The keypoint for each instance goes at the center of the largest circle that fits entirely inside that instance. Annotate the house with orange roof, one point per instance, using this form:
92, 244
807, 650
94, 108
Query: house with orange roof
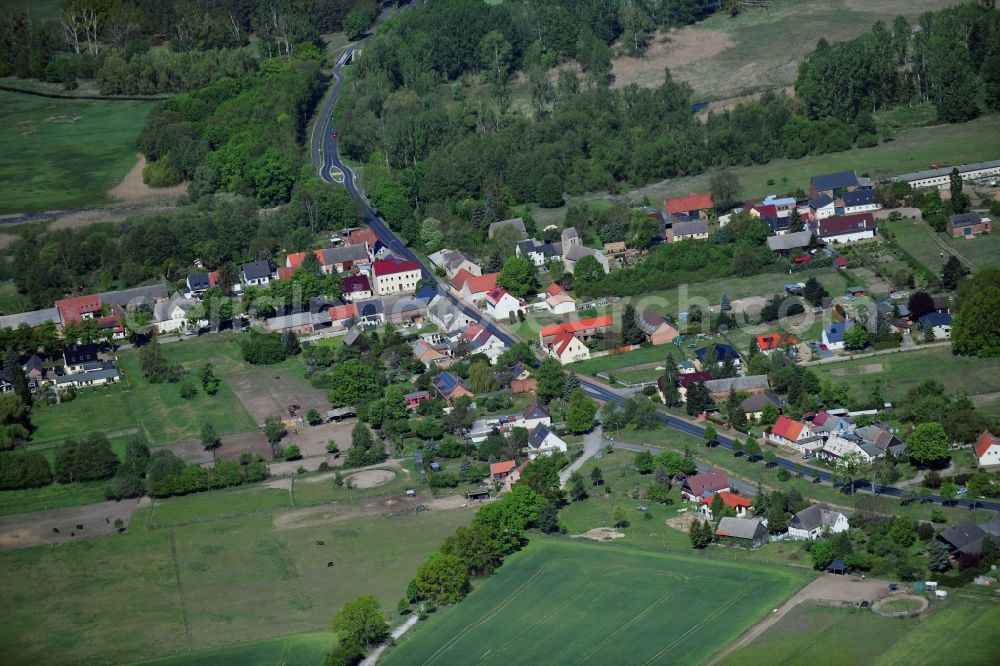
736, 502
584, 329
295, 259
689, 208
987, 448
771, 341
364, 237
567, 348
473, 288
343, 313
76, 309
789, 432
558, 300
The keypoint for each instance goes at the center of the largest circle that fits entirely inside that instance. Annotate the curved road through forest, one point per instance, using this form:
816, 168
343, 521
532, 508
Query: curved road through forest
326, 158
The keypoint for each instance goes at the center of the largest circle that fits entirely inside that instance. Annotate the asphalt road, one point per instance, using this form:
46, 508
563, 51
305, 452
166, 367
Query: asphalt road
323, 147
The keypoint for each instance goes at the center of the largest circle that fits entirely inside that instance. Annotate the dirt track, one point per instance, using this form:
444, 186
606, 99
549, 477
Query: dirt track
828, 588
132, 188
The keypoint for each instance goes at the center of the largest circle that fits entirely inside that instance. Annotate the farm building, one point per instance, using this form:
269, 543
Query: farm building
812, 522
742, 532
967, 225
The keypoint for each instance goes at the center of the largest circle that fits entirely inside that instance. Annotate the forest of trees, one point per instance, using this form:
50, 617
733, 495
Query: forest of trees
119, 42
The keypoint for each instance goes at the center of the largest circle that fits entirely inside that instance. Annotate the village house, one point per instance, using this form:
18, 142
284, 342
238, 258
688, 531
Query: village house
95, 373
198, 284
844, 228
697, 487
446, 315
964, 538
833, 335
453, 261
837, 447
543, 442
738, 503
379, 251
783, 206
822, 207
833, 185
257, 274
788, 432
501, 304
693, 230
815, 521
371, 312
825, 423
722, 352
770, 342
987, 448
474, 288
860, 201
481, 341
657, 328
432, 354
753, 406
450, 386
517, 223
410, 310
518, 380
791, 242
300, 323
172, 316
685, 380
968, 225
343, 314
76, 309
577, 252
938, 324
539, 253
77, 357
365, 237
356, 288
689, 207
558, 300
742, 532
395, 276
583, 329
720, 388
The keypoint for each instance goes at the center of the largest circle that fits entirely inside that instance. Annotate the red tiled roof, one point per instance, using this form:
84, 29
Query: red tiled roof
708, 482
362, 236
460, 277
985, 440
341, 312
845, 224
554, 289
788, 428
578, 325
502, 467
285, 273
295, 259
690, 202
496, 295
729, 499
689, 378
355, 283
770, 341
480, 283
840, 262
391, 266
72, 309
213, 278
562, 341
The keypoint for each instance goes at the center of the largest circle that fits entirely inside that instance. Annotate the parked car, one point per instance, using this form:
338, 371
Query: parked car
807, 456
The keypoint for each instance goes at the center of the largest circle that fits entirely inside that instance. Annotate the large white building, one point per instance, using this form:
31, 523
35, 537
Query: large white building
395, 276
941, 178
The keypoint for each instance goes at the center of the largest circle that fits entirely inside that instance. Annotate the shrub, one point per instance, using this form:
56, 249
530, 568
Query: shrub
263, 348
293, 452
28, 469
160, 174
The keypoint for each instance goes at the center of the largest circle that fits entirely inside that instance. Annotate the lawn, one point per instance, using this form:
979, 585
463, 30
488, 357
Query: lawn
61, 153
213, 584
98, 409
55, 496
917, 238
981, 251
956, 630
912, 150
904, 370
10, 300
164, 416
307, 648
221, 504
559, 601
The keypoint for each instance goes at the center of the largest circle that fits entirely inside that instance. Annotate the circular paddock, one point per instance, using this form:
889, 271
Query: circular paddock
370, 478
900, 605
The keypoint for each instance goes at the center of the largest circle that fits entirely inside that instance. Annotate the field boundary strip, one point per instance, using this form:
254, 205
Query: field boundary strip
180, 590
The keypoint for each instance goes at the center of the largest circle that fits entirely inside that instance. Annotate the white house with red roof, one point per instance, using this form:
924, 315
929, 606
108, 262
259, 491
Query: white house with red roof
987, 449
558, 301
481, 341
567, 348
395, 276
689, 207
500, 304
789, 432
707, 484
844, 228
736, 502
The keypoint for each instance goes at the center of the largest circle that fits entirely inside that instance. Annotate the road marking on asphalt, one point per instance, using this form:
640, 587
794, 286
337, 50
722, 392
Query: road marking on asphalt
336, 174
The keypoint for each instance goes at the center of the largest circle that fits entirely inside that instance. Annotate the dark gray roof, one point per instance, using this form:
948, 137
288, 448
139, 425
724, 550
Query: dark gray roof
814, 517
740, 528
126, 296
966, 537
861, 197
339, 255
832, 181
946, 171
371, 307
758, 401
198, 281
964, 219
693, 228
745, 383
106, 371
255, 270
537, 436
516, 222
534, 411
820, 201
76, 354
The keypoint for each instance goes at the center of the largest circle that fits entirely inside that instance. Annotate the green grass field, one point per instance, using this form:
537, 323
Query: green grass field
98, 409
567, 602
307, 648
55, 496
905, 370
213, 584
218, 505
57, 153
164, 416
10, 300
921, 241
956, 630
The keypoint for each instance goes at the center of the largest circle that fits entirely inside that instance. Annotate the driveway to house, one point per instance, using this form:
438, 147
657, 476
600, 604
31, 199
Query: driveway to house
593, 442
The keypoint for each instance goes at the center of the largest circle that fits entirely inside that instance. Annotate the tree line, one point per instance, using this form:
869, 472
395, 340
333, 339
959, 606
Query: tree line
115, 41
949, 59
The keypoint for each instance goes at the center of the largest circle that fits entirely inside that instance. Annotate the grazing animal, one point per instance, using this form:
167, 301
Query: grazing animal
56, 530
321, 543
79, 527
329, 564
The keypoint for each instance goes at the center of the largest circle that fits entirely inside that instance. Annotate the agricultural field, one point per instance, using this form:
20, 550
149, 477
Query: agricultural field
817, 634
236, 578
927, 246
63, 153
307, 648
97, 409
562, 601
904, 370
